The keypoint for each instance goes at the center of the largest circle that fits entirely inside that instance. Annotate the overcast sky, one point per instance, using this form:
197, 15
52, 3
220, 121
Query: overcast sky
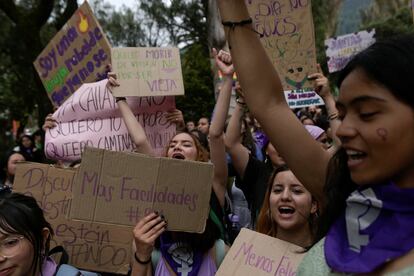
119, 3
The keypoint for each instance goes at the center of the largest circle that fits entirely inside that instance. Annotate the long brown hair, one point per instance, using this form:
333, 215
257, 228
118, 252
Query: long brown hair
202, 153
201, 242
265, 223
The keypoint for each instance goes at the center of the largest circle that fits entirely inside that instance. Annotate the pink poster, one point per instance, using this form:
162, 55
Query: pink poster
90, 117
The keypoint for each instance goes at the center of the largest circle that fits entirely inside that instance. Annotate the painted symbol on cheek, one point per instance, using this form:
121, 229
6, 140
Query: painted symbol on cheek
383, 133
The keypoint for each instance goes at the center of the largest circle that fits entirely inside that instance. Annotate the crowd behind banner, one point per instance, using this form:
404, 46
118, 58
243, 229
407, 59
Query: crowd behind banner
292, 181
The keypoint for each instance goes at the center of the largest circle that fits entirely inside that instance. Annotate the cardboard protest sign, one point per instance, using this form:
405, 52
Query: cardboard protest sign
257, 254
301, 98
90, 117
78, 53
121, 188
341, 49
90, 246
147, 71
287, 34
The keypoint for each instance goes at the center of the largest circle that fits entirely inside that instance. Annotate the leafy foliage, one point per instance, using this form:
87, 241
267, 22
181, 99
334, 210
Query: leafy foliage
28, 25
185, 22
399, 23
26, 28
199, 98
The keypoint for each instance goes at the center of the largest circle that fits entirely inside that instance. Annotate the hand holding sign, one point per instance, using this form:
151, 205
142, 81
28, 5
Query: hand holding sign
321, 83
112, 82
49, 123
147, 230
176, 117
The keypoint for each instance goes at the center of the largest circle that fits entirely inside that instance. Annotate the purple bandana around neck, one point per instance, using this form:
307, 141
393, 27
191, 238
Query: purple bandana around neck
377, 226
181, 258
49, 267
261, 138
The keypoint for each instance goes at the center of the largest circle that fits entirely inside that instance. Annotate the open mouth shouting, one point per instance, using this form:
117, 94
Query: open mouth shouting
286, 211
178, 155
355, 157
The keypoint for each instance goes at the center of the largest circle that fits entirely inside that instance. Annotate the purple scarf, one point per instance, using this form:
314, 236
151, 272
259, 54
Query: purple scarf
377, 226
261, 138
182, 259
49, 267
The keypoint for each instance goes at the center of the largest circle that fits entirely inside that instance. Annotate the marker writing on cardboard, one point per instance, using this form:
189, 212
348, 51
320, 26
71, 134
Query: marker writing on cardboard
76, 78
162, 85
251, 259
134, 213
90, 244
38, 178
265, 263
152, 119
91, 125
150, 195
101, 255
91, 186
84, 232
66, 150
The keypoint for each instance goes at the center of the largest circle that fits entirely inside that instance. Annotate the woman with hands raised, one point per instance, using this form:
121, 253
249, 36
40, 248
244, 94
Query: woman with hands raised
173, 253
369, 180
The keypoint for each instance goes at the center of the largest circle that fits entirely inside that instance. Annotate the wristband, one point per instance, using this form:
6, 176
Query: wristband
141, 262
233, 24
240, 102
333, 116
117, 99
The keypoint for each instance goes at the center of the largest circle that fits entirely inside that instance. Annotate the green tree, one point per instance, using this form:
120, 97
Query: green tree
27, 26
325, 14
389, 19
128, 27
383, 9
186, 24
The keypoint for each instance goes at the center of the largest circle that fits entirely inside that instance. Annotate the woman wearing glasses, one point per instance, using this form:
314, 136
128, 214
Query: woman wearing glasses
24, 237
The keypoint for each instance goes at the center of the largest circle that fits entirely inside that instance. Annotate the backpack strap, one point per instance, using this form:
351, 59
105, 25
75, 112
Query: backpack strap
220, 251
63, 269
64, 258
68, 270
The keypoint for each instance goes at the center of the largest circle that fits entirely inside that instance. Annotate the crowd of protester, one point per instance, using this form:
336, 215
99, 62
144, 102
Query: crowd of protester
307, 176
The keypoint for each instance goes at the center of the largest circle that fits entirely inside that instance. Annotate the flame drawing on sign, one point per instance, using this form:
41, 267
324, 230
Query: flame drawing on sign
83, 23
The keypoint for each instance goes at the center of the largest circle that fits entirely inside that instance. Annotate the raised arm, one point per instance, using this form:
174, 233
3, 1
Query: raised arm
216, 136
322, 88
265, 97
239, 153
135, 129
